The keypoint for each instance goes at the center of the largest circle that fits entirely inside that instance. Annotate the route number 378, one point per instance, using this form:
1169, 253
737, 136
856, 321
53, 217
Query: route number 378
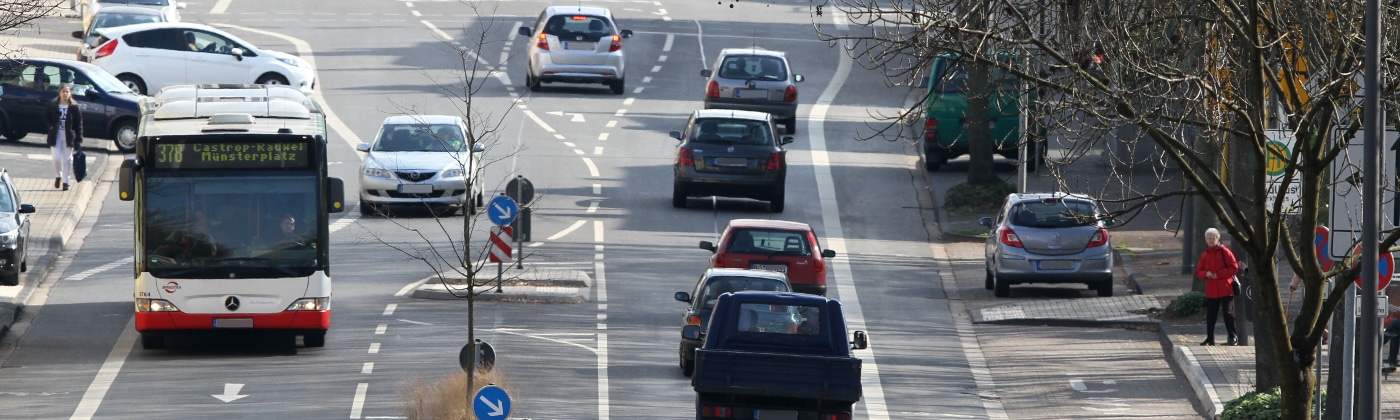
170, 153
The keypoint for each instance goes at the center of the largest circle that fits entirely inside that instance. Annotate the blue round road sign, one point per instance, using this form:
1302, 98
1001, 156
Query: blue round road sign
491, 403
502, 210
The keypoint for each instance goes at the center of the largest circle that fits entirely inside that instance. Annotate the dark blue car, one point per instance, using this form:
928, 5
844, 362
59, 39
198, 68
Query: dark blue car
27, 85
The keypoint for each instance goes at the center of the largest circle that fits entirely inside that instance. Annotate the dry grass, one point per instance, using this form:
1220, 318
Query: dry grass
447, 398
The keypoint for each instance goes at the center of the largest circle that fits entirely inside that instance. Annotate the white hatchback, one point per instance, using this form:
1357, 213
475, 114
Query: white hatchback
576, 44
150, 56
421, 161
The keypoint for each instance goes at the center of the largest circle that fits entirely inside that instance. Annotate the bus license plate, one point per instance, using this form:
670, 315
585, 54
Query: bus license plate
415, 189
233, 323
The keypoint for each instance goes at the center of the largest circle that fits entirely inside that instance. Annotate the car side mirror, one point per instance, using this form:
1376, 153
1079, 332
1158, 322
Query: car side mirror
78, 34
526, 30
26, 208
798, 78
626, 33
676, 135
707, 245
985, 222
827, 253
691, 332
363, 147
92, 94
860, 342
683, 297
478, 148
238, 52
705, 72
786, 140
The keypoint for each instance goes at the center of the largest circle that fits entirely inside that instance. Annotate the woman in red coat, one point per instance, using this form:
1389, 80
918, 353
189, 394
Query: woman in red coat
1217, 267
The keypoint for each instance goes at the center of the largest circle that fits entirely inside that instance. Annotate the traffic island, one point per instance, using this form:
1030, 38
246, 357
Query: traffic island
528, 285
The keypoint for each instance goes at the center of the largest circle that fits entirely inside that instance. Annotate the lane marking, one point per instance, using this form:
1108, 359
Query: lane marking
389, 310
107, 374
592, 169
601, 351
670, 38
373, 348
592, 207
598, 150
368, 368
220, 7
379, 330
358, 404
93, 271
567, 230
602, 136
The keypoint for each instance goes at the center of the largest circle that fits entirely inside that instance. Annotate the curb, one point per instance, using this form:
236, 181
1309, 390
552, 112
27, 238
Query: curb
530, 285
1200, 383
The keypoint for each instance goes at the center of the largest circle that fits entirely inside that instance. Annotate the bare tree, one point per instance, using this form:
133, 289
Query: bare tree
16, 15
1190, 93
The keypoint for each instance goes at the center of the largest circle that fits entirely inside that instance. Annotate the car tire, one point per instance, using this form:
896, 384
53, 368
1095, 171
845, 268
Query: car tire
790, 125
10, 135
679, 196
991, 281
9, 279
272, 79
1105, 288
124, 135
316, 339
366, 209
133, 82
777, 200
687, 367
152, 342
618, 86
531, 82
1002, 289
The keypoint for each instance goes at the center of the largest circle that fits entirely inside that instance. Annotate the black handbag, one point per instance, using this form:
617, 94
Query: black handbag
79, 165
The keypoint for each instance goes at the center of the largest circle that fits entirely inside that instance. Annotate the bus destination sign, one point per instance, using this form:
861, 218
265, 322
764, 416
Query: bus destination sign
252, 155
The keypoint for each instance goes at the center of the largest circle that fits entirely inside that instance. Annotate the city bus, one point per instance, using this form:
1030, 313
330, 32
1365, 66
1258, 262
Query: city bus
232, 204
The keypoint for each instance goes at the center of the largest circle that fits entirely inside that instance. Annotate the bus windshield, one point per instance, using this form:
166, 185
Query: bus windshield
213, 225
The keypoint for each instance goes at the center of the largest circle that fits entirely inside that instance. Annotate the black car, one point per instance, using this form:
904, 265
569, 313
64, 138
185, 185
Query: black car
730, 153
715, 282
14, 232
28, 85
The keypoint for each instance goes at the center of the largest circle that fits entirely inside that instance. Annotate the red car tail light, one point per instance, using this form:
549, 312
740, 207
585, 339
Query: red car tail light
1009, 238
715, 411
616, 43
775, 162
834, 416
790, 95
686, 157
1100, 237
543, 42
819, 267
719, 260
712, 90
106, 49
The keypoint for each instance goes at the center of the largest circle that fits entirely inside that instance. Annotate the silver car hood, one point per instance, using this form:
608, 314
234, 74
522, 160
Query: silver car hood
422, 161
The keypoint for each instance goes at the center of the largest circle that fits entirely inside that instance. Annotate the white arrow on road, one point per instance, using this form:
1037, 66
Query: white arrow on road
577, 117
230, 393
496, 409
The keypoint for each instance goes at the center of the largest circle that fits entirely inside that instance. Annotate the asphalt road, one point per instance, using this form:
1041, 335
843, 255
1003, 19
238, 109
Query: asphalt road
600, 164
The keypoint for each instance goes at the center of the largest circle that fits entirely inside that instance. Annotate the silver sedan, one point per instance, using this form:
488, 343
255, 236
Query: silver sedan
421, 160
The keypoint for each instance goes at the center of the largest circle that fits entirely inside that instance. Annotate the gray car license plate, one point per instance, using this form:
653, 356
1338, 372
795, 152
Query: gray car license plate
576, 45
1056, 265
770, 267
750, 93
415, 188
732, 162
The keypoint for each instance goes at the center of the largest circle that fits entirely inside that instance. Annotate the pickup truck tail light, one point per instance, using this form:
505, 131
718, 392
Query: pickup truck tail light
1009, 238
717, 412
1100, 237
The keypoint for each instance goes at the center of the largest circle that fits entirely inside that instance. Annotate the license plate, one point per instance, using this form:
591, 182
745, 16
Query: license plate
729, 161
415, 188
775, 414
233, 323
770, 267
577, 45
750, 93
1057, 265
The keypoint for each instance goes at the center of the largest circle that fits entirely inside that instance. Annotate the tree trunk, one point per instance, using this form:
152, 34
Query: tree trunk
980, 169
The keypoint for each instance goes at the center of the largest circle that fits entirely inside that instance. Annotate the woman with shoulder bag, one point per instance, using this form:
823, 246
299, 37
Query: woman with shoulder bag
1218, 267
65, 119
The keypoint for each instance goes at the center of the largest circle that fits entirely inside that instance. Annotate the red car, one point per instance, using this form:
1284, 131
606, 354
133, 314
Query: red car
776, 245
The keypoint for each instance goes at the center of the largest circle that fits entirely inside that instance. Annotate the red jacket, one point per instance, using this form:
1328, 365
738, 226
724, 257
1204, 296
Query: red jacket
1220, 260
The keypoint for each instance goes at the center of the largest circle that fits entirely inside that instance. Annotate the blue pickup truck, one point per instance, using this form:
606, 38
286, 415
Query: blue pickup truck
776, 355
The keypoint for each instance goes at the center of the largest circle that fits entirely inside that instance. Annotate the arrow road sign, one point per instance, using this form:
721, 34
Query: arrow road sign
502, 210
230, 393
491, 403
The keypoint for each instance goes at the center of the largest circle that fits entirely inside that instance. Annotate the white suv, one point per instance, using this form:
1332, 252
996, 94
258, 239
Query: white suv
576, 44
151, 56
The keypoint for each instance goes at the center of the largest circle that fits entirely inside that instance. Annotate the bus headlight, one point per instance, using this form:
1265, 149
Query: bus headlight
310, 304
155, 305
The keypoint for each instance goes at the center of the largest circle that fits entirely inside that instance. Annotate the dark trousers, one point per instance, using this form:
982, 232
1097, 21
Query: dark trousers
1392, 335
1213, 306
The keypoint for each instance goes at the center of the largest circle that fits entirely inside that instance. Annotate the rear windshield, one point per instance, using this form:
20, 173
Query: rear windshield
591, 28
728, 284
774, 242
803, 320
753, 67
951, 77
112, 20
1053, 214
732, 131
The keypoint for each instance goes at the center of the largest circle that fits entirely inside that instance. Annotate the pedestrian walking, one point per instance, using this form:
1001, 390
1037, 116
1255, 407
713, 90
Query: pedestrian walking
65, 119
1217, 267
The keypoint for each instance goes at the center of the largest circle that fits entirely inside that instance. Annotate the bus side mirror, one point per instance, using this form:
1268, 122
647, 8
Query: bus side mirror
126, 176
335, 193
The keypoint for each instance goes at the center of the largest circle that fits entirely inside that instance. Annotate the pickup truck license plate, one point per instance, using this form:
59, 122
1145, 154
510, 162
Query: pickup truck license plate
770, 267
415, 188
775, 414
233, 323
1056, 265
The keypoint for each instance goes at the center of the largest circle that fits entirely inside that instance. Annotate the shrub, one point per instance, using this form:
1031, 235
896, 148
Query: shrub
1187, 304
446, 398
968, 198
1257, 406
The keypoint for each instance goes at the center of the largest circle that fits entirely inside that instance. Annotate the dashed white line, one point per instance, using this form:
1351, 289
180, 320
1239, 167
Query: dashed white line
629, 101
374, 348
598, 150
379, 330
638, 89
592, 207
597, 189
655, 69
389, 310
358, 404
220, 7
670, 38
662, 58
646, 79
620, 112
570, 144
603, 137
612, 123
578, 152
95, 270
368, 368
592, 169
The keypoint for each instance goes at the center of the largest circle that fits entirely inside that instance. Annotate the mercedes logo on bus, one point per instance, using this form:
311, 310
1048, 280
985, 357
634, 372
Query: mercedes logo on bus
231, 303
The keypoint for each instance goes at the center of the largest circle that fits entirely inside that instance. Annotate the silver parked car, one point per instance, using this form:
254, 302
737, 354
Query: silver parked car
754, 79
576, 44
421, 160
1049, 238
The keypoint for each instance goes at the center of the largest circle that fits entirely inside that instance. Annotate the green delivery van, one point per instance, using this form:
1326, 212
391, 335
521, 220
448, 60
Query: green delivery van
945, 113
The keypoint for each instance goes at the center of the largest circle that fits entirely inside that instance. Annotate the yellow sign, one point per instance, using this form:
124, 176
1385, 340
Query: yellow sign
1276, 158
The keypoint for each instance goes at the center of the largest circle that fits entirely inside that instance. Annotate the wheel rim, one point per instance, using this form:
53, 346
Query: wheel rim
131, 84
126, 137
273, 82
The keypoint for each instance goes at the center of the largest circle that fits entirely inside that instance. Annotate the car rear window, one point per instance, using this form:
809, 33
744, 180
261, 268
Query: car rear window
1053, 214
774, 242
592, 28
727, 284
780, 319
952, 78
753, 67
732, 131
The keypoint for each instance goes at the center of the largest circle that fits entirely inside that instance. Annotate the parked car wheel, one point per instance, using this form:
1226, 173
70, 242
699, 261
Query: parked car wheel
10, 135
1002, 289
678, 196
531, 82
1105, 288
124, 134
932, 161
366, 209
687, 367
133, 82
618, 86
991, 281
